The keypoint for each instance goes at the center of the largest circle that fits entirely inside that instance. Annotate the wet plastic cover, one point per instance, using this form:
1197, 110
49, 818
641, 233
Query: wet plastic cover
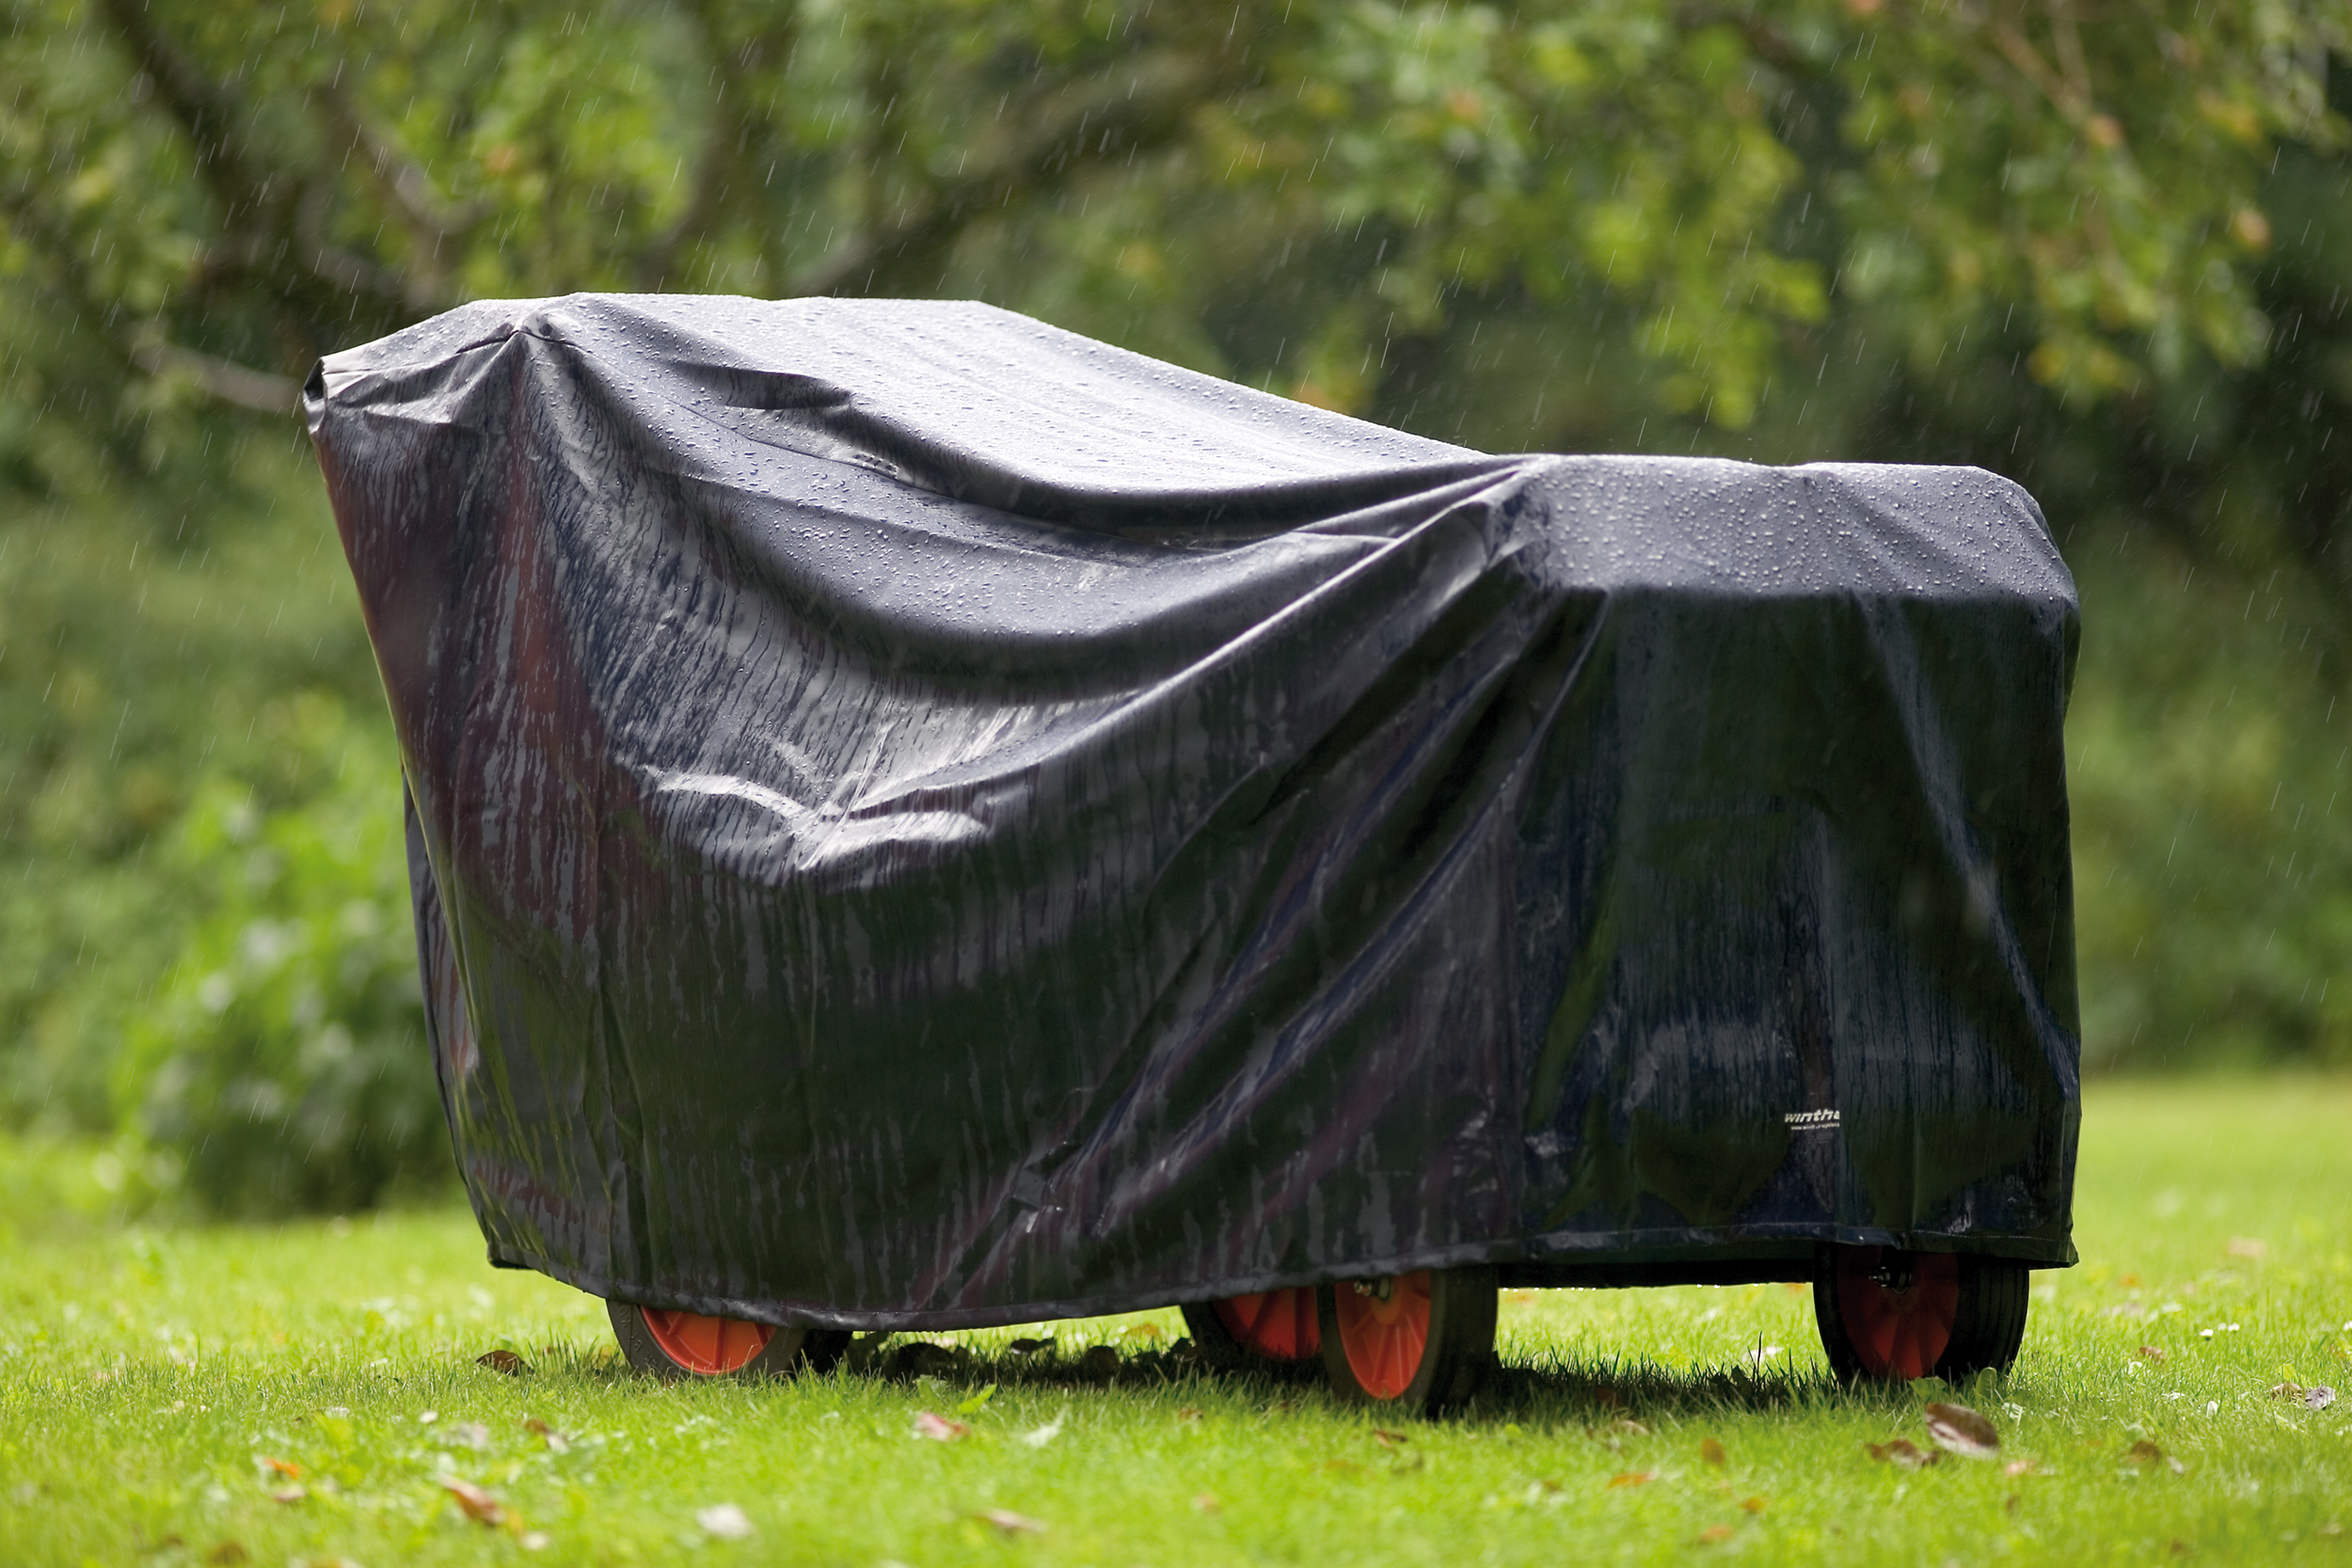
920, 818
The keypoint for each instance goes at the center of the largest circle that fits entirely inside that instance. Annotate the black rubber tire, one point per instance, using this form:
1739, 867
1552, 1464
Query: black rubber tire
1996, 1294
1455, 1357
1220, 1352
788, 1352
1988, 1321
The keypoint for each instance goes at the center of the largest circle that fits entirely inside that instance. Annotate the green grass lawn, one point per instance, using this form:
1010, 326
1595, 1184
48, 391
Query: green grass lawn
162, 1389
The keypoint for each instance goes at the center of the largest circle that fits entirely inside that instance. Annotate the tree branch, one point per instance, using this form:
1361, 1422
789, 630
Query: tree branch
734, 123
431, 221
224, 379
1141, 106
196, 103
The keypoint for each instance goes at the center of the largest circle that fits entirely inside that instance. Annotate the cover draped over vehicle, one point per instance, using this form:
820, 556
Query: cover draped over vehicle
921, 819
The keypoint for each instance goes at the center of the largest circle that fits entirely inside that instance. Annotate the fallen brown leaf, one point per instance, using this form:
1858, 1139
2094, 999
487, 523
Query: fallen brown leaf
228, 1554
286, 1467
1716, 1535
1752, 1505
555, 1440
1711, 1452
2151, 1353
1388, 1439
939, 1429
503, 1361
1959, 1430
476, 1504
2008, 1504
1011, 1523
1904, 1451
2286, 1391
1206, 1502
1189, 1412
289, 1495
1342, 1466
2145, 1452
1633, 1478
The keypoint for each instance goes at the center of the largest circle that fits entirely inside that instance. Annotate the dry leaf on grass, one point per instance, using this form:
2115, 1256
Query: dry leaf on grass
286, 1467
1904, 1451
289, 1495
2318, 1398
1714, 1535
1005, 1519
939, 1429
1206, 1502
555, 1440
477, 1505
504, 1361
1752, 1505
1633, 1478
1388, 1439
1711, 1452
227, 1555
2151, 1354
2145, 1452
1189, 1412
1959, 1430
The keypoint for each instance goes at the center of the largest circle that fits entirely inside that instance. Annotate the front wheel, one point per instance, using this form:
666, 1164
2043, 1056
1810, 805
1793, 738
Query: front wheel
672, 1345
1414, 1342
1887, 1315
1271, 1330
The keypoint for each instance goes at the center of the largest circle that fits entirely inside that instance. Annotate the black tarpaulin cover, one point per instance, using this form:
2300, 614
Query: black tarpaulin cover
920, 818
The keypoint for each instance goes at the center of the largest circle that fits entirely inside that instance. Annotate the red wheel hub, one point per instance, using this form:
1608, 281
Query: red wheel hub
1278, 1326
1897, 1322
707, 1345
1384, 1328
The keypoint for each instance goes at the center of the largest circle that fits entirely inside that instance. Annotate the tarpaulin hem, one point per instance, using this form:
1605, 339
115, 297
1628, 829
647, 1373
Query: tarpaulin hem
1763, 1244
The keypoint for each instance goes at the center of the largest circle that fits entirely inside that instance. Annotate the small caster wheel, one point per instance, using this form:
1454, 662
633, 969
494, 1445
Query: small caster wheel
1275, 1330
1414, 1342
1889, 1316
673, 1345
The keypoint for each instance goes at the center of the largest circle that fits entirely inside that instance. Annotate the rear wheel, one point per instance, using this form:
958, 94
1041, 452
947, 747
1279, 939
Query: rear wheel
1415, 1342
1271, 1330
1887, 1315
673, 1345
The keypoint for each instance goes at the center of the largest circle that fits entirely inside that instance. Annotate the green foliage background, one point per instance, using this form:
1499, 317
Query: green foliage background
2104, 248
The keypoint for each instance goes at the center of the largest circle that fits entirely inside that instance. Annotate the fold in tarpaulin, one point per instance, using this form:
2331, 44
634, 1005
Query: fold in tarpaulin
919, 818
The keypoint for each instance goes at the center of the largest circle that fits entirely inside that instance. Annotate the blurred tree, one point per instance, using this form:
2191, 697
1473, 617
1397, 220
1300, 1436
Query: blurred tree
212, 193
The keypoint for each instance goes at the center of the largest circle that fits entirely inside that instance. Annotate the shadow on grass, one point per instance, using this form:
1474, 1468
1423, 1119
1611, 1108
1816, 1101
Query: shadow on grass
1547, 1391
